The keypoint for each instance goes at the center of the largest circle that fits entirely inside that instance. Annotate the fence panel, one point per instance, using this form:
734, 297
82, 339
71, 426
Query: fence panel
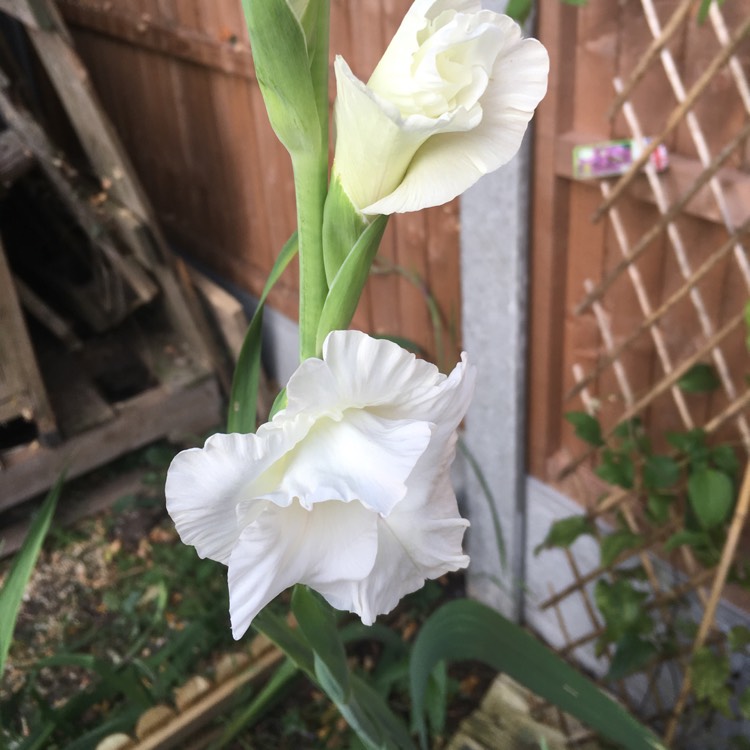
637, 279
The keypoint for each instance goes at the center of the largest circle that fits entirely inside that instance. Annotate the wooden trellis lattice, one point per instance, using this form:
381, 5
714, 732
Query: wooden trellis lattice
715, 333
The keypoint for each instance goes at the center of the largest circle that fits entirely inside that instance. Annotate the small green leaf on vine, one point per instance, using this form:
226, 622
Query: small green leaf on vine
698, 540
700, 378
739, 638
621, 605
613, 545
616, 468
632, 653
587, 428
724, 459
692, 443
709, 672
564, 532
660, 472
657, 508
744, 703
711, 495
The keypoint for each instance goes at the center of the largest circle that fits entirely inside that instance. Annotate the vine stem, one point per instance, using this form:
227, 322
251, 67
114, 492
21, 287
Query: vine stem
730, 546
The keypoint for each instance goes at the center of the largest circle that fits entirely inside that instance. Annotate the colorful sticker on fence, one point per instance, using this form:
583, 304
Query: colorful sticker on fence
612, 158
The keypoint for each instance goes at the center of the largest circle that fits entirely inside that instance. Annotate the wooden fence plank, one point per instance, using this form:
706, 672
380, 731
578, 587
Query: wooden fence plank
557, 27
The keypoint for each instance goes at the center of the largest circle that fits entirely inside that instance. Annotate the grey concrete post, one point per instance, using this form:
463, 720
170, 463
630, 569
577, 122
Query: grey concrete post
494, 239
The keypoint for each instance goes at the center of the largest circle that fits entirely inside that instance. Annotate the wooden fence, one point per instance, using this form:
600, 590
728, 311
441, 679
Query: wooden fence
636, 280
176, 78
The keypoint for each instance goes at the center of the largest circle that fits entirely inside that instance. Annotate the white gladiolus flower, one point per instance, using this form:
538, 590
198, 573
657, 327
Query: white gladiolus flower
346, 490
449, 102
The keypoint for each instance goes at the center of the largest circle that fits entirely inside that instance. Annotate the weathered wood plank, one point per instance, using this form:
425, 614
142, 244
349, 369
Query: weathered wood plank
19, 373
15, 158
117, 176
227, 312
35, 141
157, 413
557, 27
33, 14
510, 718
229, 55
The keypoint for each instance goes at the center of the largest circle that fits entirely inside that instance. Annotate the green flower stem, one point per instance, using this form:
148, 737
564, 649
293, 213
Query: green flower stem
311, 187
310, 178
319, 71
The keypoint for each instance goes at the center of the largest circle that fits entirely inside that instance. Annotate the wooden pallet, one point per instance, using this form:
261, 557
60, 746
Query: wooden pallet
60, 383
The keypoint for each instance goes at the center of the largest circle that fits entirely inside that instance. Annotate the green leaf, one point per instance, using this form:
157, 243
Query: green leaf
436, 699
616, 468
587, 428
282, 68
739, 638
632, 653
342, 227
621, 606
657, 508
710, 673
315, 22
318, 624
704, 8
349, 281
692, 443
11, 594
365, 711
369, 715
466, 629
711, 495
630, 429
614, 544
564, 532
519, 10
698, 540
660, 472
700, 378
288, 639
744, 703
725, 460
243, 403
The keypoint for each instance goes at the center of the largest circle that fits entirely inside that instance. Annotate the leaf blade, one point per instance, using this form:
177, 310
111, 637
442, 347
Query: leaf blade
243, 401
466, 629
15, 584
711, 496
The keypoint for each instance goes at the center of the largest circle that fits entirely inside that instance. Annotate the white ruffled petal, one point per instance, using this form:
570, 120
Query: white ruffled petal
423, 543
202, 489
346, 490
369, 372
361, 457
206, 485
374, 142
449, 163
397, 57
320, 547
446, 403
